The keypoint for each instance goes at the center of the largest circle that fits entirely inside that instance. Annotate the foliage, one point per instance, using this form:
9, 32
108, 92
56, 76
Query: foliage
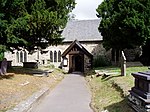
33, 23
100, 61
124, 23
145, 58
1, 56
2, 49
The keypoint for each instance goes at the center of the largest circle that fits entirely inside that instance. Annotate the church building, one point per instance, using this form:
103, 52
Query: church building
82, 43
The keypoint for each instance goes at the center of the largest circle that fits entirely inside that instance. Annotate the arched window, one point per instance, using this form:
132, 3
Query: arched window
17, 56
25, 56
21, 56
51, 56
59, 56
55, 56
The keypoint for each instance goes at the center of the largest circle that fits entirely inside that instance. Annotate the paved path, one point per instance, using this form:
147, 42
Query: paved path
71, 95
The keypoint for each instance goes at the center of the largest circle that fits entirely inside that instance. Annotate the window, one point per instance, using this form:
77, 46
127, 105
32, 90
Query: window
55, 56
25, 56
21, 56
38, 55
59, 56
51, 56
17, 56
43, 62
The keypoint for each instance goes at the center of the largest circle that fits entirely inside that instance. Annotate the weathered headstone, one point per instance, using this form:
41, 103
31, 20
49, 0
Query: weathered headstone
123, 64
3, 69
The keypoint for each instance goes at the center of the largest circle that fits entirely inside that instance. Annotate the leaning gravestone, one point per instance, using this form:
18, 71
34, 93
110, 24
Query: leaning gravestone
3, 68
123, 64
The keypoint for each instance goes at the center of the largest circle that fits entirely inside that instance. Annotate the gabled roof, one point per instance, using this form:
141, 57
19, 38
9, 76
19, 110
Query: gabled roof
78, 44
82, 30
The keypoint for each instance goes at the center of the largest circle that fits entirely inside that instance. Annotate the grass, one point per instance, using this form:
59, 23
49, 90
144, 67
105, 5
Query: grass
12, 91
110, 93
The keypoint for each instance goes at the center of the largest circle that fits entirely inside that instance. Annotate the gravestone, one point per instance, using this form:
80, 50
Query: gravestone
139, 98
9, 65
123, 64
3, 69
30, 64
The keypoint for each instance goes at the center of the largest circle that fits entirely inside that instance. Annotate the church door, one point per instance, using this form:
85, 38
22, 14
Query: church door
77, 63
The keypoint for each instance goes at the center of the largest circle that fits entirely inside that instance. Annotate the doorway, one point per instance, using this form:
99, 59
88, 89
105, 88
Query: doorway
77, 63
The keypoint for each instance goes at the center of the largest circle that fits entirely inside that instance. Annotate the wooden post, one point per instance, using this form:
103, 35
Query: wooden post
123, 64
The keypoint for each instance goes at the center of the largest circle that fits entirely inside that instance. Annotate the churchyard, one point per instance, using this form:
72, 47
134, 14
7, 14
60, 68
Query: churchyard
110, 92
108, 88
23, 84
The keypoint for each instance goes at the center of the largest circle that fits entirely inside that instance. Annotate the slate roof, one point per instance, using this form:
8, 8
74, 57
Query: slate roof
82, 30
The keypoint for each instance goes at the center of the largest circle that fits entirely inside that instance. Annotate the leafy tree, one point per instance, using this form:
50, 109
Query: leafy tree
124, 23
1, 56
32, 24
145, 57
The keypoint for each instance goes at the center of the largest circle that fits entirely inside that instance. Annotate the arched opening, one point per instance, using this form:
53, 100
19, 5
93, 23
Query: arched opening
21, 56
51, 56
77, 63
55, 56
59, 56
25, 56
17, 56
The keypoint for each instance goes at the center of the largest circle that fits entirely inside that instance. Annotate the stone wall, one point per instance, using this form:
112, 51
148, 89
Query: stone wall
95, 48
87, 63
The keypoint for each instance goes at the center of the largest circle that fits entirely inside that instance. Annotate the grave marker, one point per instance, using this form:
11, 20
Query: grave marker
123, 64
139, 98
3, 69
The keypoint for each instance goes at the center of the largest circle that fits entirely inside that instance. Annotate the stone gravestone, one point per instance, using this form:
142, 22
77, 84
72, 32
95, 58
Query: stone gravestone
3, 69
139, 98
123, 64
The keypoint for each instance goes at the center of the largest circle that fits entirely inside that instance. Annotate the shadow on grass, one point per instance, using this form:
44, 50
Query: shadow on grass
11, 72
106, 68
21, 70
121, 106
27, 71
106, 77
115, 85
6, 76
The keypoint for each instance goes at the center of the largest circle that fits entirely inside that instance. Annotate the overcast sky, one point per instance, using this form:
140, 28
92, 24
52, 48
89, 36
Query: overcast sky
86, 9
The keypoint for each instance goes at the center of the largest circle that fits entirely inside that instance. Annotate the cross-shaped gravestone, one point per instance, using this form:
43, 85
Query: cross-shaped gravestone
3, 68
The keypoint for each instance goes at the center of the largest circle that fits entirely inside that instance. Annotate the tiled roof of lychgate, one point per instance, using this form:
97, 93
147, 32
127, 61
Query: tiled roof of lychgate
82, 30
76, 42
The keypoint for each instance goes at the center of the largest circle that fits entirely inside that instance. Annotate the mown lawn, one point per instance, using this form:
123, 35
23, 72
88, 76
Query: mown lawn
110, 93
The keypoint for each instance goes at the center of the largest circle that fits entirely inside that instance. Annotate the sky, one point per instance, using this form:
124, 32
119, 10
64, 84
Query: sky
86, 9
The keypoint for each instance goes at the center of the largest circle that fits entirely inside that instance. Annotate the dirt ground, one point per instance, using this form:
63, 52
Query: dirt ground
22, 85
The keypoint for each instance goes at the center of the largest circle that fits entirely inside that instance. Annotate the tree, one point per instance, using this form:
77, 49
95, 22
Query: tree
32, 24
145, 57
124, 23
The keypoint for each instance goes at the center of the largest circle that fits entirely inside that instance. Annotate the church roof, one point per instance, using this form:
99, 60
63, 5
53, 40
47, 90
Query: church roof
82, 30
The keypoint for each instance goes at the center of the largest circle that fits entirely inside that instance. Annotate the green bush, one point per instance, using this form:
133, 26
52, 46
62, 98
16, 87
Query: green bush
1, 56
100, 61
